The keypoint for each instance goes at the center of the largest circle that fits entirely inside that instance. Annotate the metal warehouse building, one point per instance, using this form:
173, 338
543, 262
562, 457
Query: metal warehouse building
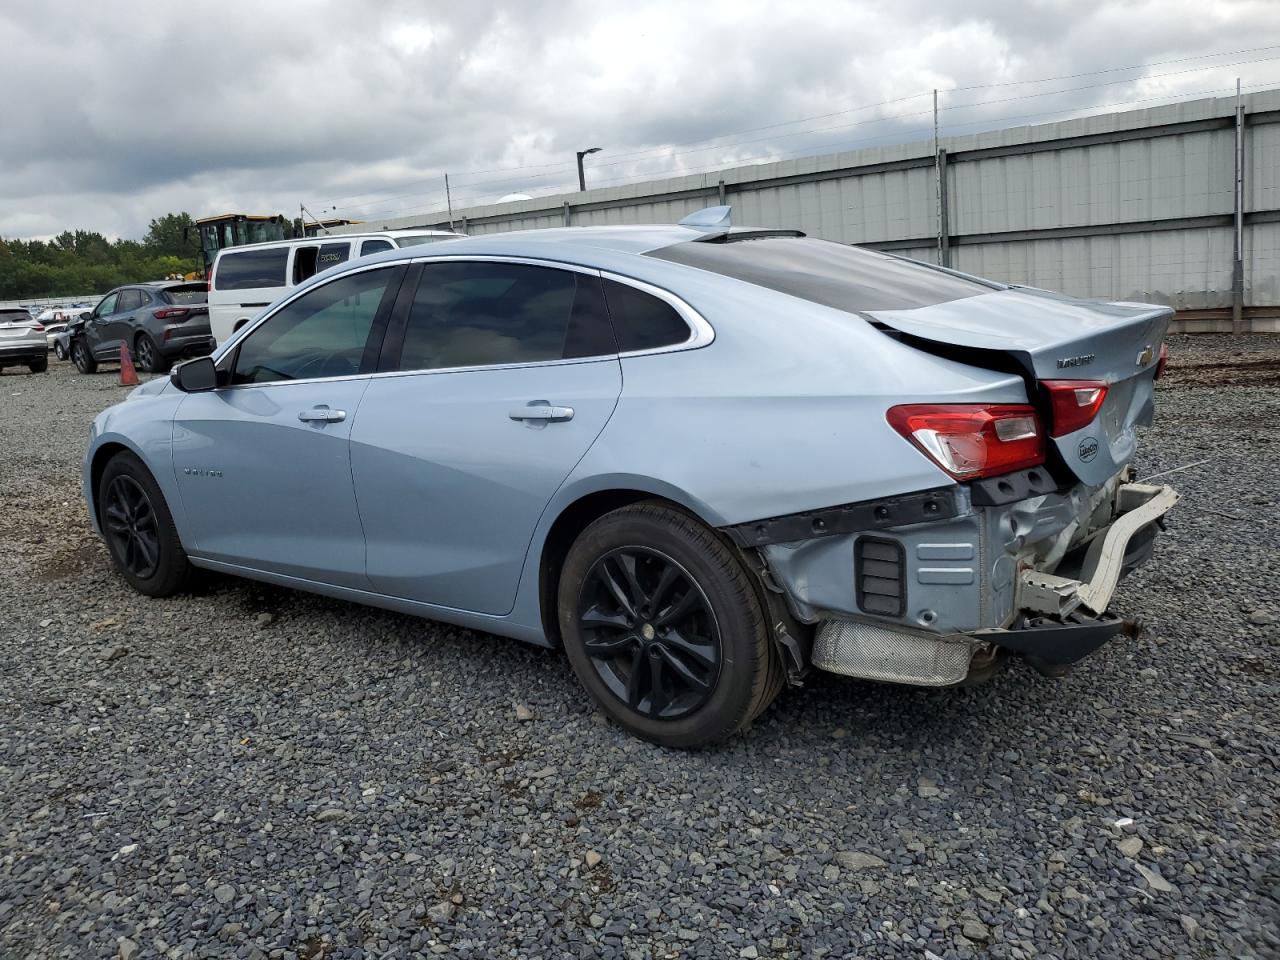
1167, 205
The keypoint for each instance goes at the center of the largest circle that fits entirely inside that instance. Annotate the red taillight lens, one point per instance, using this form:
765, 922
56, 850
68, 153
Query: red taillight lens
1074, 403
972, 440
171, 313
38, 327
1162, 362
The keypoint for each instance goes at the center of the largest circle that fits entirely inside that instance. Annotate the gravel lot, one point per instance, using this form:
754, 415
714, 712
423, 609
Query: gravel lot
252, 772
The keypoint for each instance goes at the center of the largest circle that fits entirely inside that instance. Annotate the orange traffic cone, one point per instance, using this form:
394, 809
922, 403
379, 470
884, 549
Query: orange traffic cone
128, 375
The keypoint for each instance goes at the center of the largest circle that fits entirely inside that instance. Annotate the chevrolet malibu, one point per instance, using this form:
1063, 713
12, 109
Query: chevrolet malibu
703, 459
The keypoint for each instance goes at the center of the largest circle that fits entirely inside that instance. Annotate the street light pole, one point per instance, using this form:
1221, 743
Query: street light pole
582, 179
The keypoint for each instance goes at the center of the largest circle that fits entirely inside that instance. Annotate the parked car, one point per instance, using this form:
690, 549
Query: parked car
246, 279
22, 341
704, 460
159, 323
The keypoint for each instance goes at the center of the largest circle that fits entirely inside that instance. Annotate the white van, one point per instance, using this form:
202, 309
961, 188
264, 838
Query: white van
247, 279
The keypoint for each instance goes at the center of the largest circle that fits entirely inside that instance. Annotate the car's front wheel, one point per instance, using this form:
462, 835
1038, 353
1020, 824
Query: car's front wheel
665, 628
139, 529
59, 351
82, 358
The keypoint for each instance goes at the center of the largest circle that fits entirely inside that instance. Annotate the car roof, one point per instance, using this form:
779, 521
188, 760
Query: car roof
335, 238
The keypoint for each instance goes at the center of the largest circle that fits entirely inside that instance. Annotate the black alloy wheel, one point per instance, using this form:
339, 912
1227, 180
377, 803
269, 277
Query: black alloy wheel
650, 632
130, 522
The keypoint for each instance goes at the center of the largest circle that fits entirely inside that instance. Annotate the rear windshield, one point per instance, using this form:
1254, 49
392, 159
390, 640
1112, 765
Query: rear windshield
247, 269
14, 316
832, 274
196, 293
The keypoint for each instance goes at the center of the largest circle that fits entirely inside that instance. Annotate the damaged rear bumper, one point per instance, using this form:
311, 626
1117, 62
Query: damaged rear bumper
1059, 619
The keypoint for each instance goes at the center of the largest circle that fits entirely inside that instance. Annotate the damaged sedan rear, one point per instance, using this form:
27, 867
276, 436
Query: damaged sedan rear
703, 459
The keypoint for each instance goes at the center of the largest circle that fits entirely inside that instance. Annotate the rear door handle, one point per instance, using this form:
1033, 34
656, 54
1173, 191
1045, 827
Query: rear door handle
541, 410
322, 414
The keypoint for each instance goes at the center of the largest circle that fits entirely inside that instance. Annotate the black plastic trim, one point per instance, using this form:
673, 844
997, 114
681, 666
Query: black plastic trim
1058, 644
887, 566
996, 491
927, 505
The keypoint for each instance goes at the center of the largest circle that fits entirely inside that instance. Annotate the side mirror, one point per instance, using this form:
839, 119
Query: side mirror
195, 376
86, 315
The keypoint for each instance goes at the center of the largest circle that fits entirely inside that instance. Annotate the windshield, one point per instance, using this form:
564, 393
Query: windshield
832, 274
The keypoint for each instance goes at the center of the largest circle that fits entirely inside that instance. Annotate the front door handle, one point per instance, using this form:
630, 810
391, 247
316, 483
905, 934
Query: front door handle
541, 410
322, 414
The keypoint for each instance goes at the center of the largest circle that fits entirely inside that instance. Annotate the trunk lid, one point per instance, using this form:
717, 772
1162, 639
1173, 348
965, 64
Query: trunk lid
1047, 336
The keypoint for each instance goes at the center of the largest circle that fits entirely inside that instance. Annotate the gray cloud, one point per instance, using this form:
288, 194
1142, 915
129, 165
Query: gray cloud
117, 113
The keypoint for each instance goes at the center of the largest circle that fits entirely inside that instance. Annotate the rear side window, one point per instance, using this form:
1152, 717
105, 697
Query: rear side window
332, 254
196, 293
129, 300
249, 269
374, 246
483, 314
832, 274
641, 320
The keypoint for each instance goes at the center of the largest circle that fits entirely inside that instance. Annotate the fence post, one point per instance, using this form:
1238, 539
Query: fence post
1237, 260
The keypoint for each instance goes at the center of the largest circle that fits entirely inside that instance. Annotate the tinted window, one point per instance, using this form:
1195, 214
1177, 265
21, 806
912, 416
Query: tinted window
251, 268
14, 316
129, 300
479, 314
832, 274
374, 246
320, 334
641, 320
196, 293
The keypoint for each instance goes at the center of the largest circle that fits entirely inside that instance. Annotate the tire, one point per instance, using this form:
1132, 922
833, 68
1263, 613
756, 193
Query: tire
59, 352
39, 366
162, 571
82, 358
637, 546
148, 353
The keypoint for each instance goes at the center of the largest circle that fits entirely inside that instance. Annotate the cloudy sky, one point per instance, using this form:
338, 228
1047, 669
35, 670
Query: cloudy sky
115, 113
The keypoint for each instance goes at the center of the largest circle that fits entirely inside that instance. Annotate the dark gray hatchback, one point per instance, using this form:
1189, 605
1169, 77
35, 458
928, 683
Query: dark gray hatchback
158, 322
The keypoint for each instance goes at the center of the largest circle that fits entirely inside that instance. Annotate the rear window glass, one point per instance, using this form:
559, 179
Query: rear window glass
14, 316
642, 321
193, 294
832, 274
251, 268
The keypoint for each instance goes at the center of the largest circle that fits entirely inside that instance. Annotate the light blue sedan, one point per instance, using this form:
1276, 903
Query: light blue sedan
703, 459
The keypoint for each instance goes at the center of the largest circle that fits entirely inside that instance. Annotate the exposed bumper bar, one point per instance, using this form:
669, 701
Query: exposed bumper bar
1138, 505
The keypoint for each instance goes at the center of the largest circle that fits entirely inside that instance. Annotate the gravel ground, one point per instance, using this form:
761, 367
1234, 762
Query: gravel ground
247, 771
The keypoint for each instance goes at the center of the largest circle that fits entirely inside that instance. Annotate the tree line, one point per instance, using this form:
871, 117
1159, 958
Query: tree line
84, 261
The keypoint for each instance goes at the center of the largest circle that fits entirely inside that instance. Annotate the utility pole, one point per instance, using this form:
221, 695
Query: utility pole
448, 199
582, 177
940, 198
1237, 261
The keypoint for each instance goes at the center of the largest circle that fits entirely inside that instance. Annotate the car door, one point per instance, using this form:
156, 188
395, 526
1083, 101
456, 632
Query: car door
263, 460
497, 377
119, 325
97, 326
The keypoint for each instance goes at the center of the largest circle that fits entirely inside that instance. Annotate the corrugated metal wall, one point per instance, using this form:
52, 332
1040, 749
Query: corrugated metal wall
1133, 205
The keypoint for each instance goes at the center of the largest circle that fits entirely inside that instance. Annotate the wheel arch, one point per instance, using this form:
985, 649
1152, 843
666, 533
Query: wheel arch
575, 517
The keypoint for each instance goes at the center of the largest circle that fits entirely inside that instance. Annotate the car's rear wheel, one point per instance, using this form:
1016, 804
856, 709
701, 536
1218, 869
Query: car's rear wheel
148, 354
59, 351
39, 366
82, 358
139, 530
665, 628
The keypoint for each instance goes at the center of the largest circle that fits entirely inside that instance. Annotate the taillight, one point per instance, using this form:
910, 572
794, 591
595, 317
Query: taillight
1162, 362
171, 313
1074, 403
972, 440
38, 327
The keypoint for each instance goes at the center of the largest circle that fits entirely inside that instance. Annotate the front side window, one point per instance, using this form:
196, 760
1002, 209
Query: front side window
107, 306
322, 333
470, 314
249, 269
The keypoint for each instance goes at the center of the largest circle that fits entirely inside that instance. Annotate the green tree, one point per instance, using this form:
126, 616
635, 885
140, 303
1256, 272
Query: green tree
172, 235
